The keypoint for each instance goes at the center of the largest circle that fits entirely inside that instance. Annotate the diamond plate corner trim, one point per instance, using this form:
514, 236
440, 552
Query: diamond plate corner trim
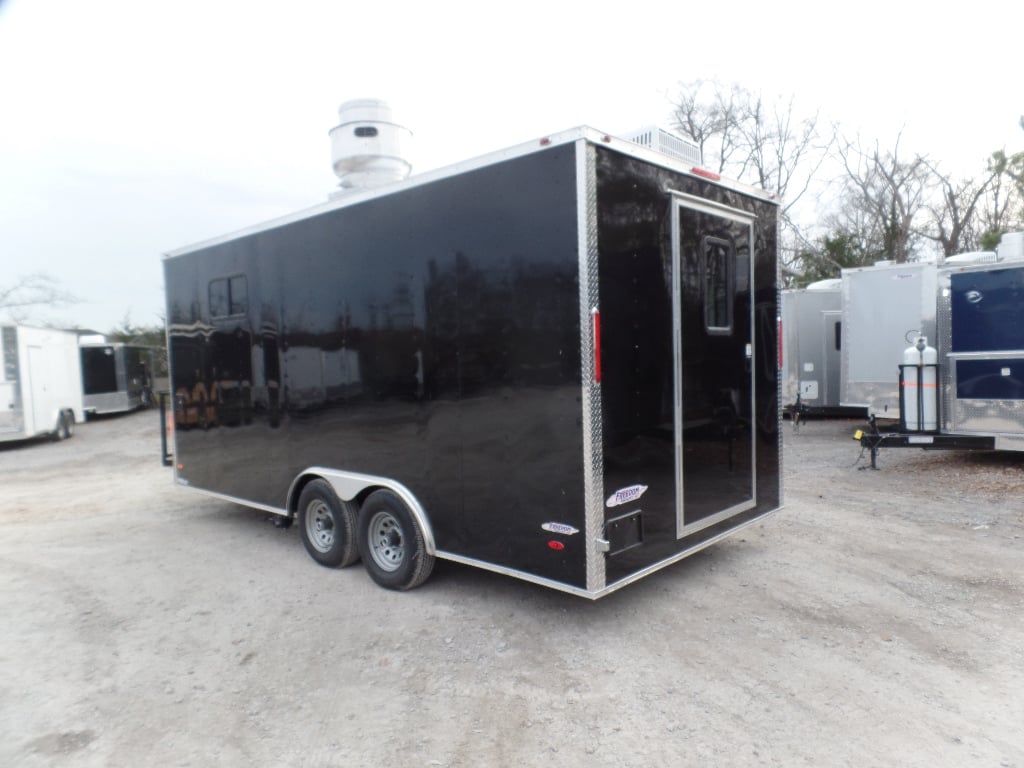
944, 340
593, 481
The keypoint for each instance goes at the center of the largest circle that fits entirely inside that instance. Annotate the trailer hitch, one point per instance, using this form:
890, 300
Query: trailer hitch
870, 440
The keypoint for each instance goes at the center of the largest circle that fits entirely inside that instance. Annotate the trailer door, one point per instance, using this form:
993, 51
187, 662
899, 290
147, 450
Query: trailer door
831, 338
712, 275
39, 384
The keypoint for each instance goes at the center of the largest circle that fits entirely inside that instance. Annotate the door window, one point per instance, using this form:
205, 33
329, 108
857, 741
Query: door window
719, 275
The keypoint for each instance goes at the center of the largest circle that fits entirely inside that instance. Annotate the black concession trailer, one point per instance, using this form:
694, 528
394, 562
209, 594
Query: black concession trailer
116, 377
558, 362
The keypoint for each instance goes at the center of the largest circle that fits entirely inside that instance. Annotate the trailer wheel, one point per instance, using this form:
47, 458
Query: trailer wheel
327, 525
391, 543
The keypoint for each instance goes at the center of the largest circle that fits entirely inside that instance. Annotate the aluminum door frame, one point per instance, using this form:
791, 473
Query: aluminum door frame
679, 201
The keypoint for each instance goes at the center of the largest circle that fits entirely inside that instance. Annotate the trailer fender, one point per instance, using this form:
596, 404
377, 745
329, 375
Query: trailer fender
350, 486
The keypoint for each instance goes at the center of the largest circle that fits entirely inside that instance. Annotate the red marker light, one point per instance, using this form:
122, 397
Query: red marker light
556, 545
545, 141
597, 344
706, 174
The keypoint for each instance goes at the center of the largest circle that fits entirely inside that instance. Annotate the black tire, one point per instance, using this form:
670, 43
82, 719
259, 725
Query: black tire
327, 525
391, 542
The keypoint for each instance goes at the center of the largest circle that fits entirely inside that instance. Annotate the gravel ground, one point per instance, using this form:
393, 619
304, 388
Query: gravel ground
875, 621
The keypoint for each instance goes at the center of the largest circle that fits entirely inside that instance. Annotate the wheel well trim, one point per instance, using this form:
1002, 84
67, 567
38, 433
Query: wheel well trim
351, 485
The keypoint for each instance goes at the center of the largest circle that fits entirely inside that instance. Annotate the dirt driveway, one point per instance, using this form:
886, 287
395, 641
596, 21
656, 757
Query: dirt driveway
878, 620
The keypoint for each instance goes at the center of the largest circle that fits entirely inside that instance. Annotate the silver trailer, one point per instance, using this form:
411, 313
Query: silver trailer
116, 377
884, 308
811, 347
981, 346
40, 383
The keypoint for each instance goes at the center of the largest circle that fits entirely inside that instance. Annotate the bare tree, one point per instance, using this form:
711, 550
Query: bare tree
763, 143
954, 212
707, 113
889, 194
31, 292
1002, 208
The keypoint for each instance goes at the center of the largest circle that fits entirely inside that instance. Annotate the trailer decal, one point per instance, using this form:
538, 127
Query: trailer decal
568, 530
625, 495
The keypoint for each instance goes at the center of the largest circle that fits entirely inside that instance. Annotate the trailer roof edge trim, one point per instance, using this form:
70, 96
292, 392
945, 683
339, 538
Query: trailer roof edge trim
539, 144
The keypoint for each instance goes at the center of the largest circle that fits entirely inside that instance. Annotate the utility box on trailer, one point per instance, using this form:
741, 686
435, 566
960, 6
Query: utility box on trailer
40, 383
558, 362
116, 377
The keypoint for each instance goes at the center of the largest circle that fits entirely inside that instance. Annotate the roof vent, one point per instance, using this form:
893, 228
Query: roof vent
973, 257
667, 143
366, 146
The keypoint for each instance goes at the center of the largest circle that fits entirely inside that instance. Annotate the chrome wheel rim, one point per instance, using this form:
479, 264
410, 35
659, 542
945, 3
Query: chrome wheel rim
320, 526
387, 544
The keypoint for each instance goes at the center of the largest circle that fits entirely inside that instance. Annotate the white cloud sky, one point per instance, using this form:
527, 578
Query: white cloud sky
132, 128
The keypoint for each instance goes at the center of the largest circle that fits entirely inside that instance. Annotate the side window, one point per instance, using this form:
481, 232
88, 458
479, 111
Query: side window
228, 296
238, 295
718, 284
839, 334
218, 298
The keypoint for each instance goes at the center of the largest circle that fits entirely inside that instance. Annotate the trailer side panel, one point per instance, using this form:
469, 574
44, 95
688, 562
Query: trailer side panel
429, 336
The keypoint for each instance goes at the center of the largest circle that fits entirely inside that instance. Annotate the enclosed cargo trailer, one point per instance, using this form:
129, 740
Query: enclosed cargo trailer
811, 351
40, 383
885, 307
558, 362
981, 332
116, 377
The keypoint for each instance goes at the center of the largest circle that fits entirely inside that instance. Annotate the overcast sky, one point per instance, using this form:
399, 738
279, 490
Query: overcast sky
129, 129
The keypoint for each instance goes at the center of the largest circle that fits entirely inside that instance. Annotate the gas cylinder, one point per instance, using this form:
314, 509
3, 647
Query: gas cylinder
919, 393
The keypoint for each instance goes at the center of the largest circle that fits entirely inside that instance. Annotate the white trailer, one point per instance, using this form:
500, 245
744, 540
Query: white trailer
40, 383
885, 307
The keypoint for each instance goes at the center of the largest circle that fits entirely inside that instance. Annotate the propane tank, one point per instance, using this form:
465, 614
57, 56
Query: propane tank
919, 394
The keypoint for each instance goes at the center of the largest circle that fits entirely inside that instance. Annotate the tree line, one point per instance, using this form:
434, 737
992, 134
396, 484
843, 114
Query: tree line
871, 201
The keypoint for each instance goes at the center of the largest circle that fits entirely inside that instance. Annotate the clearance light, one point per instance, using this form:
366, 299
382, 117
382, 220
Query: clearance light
705, 173
545, 141
556, 545
597, 344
